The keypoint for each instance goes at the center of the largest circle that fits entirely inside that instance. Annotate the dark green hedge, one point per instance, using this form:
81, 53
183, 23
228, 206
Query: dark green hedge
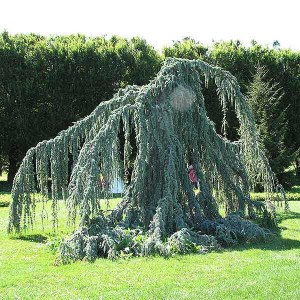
46, 83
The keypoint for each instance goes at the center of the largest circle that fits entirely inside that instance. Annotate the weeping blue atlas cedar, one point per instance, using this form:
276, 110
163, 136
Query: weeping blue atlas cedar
159, 213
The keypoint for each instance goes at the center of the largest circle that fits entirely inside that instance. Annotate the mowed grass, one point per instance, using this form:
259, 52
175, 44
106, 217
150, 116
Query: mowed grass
3, 176
292, 194
4, 199
262, 271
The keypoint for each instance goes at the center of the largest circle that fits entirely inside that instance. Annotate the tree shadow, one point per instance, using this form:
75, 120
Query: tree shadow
35, 238
287, 215
276, 242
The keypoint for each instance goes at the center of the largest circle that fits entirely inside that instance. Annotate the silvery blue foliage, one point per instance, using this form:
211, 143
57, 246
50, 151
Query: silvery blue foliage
168, 121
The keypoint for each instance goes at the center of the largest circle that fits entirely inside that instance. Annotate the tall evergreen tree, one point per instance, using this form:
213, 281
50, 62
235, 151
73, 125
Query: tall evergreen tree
265, 98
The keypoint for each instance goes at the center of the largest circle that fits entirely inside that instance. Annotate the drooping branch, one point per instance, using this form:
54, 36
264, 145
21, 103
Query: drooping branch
171, 128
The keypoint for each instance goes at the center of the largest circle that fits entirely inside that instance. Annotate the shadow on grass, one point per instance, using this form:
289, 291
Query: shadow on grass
276, 241
35, 238
287, 215
5, 187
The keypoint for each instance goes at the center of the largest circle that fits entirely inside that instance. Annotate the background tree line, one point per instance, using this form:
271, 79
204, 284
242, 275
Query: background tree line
46, 83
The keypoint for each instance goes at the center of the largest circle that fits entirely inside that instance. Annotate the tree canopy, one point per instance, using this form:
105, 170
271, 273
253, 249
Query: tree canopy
168, 121
58, 80
264, 98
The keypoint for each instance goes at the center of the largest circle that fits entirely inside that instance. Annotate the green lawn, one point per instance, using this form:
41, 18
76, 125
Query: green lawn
4, 199
263, 271
3, 176
292, 195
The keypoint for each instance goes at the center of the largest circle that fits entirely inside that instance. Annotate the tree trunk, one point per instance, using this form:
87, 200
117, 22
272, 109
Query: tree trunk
298, 167
12, 167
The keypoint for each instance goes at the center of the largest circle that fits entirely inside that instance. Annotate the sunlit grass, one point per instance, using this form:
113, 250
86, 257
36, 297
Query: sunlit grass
43, 220
3, 176
261, 271
292, 195
4, 199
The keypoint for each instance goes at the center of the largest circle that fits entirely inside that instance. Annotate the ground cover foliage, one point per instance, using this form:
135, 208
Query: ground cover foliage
164, 126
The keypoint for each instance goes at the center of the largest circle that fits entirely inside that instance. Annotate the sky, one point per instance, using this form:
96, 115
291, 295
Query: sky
159, 22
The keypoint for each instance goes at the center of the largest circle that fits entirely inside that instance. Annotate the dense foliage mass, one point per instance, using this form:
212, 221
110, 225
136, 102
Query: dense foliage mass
264, 98
58, 80
281, 65
167, 122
